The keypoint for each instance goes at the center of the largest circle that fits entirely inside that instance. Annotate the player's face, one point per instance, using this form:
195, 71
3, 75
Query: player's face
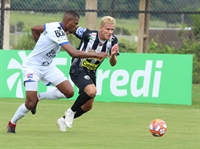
106, 31
72, 25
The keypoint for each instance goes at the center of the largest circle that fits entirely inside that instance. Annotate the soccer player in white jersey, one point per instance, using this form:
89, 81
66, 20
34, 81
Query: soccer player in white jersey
38, 65
83, 70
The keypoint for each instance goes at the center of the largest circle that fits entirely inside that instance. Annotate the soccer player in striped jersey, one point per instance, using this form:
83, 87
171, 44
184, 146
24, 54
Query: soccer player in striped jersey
83, 70
38, 64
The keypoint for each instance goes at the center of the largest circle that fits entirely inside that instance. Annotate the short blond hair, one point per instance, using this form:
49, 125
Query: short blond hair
107, 19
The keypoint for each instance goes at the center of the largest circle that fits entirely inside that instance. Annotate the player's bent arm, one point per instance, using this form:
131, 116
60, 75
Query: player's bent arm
113, 60
36, 31
81, 54
113, 55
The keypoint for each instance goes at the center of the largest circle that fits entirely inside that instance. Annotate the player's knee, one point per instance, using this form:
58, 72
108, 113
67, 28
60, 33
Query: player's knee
69, 93
92, 93
90, 90
30, 102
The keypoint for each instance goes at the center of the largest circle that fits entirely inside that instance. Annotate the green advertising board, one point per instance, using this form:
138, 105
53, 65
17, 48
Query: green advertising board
142, 78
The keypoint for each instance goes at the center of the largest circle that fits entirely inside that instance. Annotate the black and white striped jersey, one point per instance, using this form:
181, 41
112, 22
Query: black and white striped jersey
90, 42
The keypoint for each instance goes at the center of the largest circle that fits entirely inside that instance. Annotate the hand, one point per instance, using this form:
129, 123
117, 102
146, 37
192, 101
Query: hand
102, 55
115, 49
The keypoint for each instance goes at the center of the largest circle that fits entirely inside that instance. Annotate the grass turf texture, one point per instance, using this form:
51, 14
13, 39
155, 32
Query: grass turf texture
107, 126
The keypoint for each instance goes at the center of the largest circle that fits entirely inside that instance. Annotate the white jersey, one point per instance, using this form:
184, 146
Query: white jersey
47, 46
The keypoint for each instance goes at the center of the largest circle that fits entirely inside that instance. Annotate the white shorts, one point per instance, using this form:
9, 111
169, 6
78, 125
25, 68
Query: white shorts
48, 75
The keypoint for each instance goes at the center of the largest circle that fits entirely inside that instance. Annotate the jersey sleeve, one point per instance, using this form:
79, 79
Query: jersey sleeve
57, 34
81, 32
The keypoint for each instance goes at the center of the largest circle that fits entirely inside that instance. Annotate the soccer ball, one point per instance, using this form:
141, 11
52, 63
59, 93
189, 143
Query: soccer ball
157, 127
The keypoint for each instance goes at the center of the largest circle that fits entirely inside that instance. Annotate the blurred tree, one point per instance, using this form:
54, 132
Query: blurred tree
196, 25
111, 7
169, 6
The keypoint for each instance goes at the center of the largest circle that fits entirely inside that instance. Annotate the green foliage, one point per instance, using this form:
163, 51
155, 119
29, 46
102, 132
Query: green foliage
196, 25
193, 48
121, 31
154, 47
18, 27
114, 8
196, 69
126, 46
172, 6
53, 5
25, 42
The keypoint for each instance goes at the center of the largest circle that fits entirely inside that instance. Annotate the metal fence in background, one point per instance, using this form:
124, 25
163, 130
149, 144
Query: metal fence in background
168, 18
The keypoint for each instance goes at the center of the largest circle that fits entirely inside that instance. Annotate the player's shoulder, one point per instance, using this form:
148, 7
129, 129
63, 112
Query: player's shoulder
82, 30
113, 38
53, 25
84, 33
93, 32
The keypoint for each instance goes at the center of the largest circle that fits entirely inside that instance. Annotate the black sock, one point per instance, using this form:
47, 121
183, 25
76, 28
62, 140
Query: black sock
81, 100
78, 113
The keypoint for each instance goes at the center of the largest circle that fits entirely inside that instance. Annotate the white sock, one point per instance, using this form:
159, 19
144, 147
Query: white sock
52, 95
21, 112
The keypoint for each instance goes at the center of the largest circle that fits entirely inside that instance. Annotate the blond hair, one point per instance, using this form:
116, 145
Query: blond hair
107, 19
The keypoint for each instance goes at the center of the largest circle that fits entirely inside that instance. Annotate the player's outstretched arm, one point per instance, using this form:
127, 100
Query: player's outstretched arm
36, 31
81, 54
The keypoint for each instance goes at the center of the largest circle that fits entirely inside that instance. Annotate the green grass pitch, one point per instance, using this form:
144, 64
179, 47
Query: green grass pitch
107, 126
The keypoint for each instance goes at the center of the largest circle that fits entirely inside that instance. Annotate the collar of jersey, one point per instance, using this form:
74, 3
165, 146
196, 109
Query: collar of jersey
61, 25
102, 41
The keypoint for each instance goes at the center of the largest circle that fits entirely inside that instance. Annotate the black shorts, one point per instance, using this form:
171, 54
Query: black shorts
82, 77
